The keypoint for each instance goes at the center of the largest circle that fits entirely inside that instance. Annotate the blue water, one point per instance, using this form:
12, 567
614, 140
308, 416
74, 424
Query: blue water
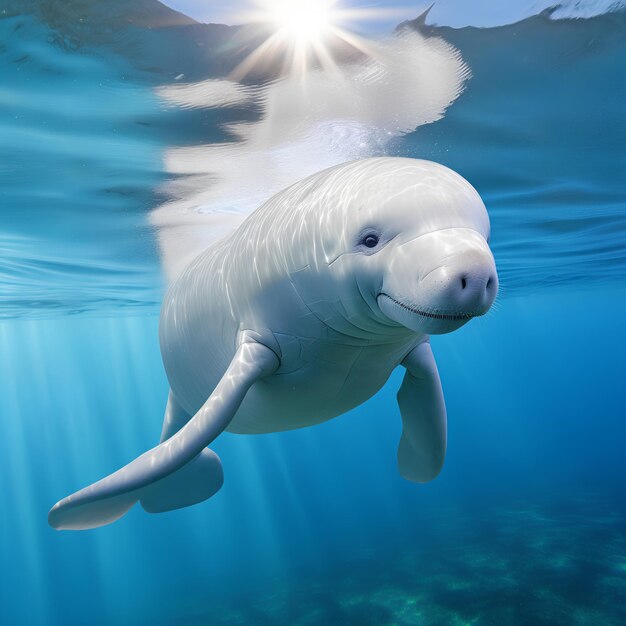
527, 522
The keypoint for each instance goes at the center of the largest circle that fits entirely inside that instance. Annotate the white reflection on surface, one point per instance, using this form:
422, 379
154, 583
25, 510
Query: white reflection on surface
307, 123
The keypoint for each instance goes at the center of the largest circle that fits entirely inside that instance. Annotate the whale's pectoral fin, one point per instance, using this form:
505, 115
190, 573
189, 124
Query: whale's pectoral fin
109, 498
194, 482
423, 443
174, 419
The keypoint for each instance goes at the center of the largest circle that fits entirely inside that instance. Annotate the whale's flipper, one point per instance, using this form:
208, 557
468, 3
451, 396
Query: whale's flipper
423, 443
174, 419
109, 498
194, 482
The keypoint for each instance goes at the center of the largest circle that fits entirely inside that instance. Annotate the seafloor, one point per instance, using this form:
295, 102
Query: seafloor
528, 564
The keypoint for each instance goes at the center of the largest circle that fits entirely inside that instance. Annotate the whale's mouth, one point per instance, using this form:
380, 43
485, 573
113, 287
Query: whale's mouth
435, 315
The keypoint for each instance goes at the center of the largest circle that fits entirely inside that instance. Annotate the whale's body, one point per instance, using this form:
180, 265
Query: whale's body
322, 373
302, 314
246, 283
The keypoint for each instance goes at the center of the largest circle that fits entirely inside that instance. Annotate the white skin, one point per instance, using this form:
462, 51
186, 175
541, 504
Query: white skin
301, 315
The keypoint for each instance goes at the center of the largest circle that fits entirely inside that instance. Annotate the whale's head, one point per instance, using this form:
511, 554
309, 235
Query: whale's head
407, 246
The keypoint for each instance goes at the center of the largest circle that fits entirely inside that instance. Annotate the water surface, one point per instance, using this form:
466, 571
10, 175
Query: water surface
526, 524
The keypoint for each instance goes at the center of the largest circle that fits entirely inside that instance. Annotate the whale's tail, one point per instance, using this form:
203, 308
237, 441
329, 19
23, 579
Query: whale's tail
181, 470
91, 507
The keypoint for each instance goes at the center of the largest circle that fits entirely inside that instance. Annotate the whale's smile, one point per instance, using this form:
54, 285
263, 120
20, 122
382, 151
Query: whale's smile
437, 315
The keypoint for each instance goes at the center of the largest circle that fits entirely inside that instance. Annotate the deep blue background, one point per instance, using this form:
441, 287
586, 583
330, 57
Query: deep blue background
536, 412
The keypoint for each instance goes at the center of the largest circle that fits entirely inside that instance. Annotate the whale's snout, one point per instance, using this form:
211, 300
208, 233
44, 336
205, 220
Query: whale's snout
437, 282
475, 291
466, 284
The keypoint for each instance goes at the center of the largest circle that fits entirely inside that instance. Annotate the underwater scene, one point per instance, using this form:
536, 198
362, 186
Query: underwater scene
137, 139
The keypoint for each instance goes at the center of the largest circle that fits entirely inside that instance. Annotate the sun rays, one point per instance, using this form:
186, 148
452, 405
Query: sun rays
303, 34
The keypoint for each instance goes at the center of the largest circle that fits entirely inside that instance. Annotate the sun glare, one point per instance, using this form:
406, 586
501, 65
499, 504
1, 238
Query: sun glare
301, 20
302, 33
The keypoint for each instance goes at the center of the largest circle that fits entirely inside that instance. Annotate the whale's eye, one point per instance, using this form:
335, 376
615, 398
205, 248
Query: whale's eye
370, 241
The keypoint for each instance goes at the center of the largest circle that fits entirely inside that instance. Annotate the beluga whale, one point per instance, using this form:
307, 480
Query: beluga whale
300, 315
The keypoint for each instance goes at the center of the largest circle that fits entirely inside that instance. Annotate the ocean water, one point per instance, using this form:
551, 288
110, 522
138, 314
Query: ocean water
114, 118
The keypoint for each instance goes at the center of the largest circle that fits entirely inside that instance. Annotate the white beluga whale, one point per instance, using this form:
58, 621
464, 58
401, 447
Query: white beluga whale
302, 314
